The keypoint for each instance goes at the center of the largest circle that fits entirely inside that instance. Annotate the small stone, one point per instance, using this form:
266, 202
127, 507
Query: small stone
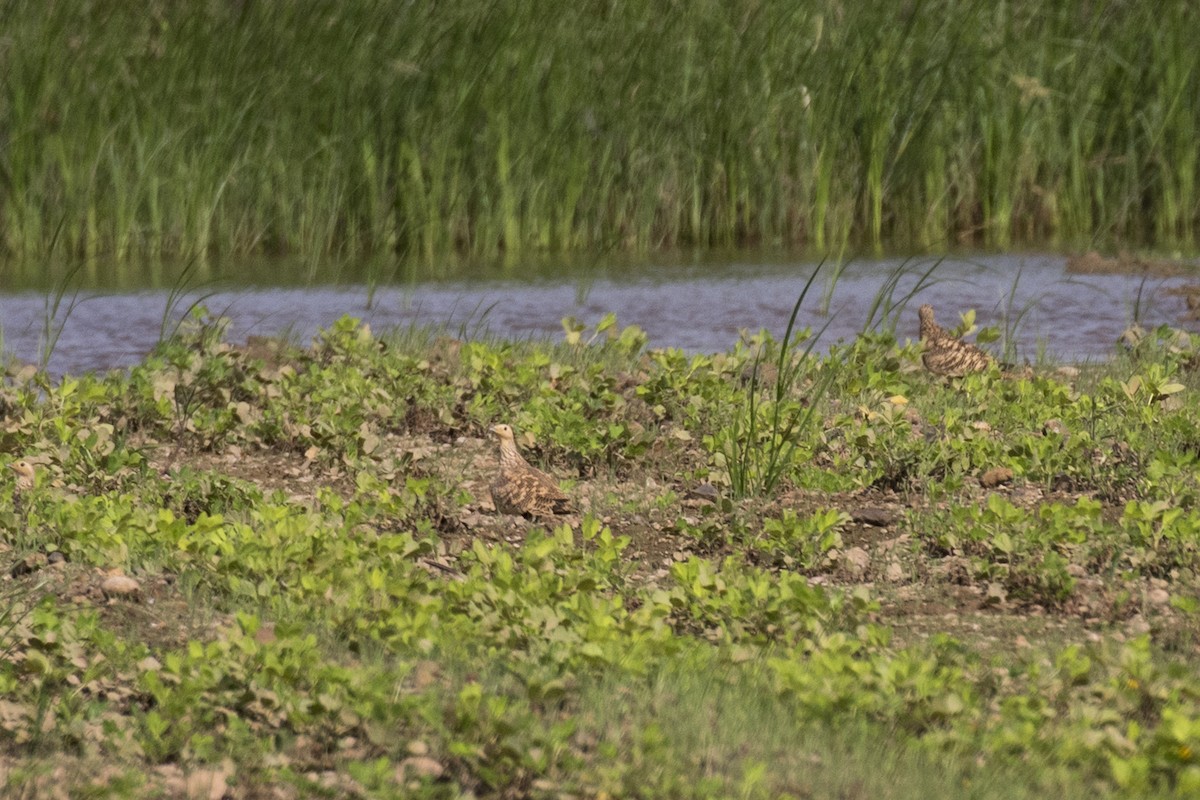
419, 767
704, 491
871, 515
895, 572
424, 675
120, 585
206, 783
995, 476
1158, 597
996, 594
856, 560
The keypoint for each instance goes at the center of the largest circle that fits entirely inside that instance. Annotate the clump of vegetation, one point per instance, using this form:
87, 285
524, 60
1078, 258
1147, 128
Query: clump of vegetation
277, 569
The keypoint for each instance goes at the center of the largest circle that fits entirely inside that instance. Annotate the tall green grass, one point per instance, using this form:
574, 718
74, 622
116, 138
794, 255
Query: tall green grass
338, 129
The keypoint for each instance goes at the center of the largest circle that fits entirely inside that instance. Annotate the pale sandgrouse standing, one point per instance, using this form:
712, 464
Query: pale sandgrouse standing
943, 354
521, 488
26, 477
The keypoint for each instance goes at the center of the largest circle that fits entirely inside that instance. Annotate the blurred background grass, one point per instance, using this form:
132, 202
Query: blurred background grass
483, 129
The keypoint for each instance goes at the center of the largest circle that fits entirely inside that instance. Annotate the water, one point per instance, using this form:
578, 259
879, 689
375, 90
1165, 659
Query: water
697, 307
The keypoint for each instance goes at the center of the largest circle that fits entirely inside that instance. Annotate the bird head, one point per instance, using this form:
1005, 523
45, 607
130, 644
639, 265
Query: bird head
925, 315
503, 432
25, 472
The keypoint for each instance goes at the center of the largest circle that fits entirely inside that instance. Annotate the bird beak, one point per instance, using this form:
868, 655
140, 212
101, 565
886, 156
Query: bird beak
13, 467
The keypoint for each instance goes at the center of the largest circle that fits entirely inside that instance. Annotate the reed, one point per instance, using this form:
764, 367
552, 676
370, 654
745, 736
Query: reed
484, 129
761, 445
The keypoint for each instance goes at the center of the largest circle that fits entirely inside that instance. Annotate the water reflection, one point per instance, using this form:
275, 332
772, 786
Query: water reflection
697, 307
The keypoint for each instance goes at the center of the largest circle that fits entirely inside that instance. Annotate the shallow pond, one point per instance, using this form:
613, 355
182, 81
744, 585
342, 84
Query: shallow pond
697, 306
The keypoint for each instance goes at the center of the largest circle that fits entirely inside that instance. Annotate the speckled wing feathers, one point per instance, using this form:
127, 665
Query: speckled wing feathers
942, 354
523, 489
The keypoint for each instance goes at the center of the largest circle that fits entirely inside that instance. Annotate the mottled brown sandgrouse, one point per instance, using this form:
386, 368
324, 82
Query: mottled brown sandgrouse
943, 354
521, 488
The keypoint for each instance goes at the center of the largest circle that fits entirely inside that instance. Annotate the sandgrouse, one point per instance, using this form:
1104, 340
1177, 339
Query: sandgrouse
945, 355
521, 488
26, 476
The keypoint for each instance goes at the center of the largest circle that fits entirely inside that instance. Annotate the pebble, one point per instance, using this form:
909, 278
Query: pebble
120, 585
856, 560
995, 476
872, 515
419, 767
1158, 597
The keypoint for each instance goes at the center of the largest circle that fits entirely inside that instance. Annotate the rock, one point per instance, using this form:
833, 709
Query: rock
419, 767
207, 783
120, 586
201, 784
996, 594
1137, 626
873, 515
995, 476
1171, 403
424, 675
704, 491
891, 544
856, 560
895, 572
1158, 597
474, 520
